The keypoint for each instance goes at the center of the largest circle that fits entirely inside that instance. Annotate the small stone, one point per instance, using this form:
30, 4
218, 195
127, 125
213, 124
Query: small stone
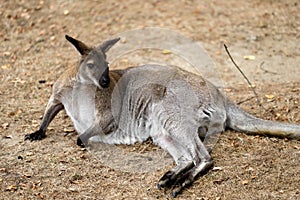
66, 12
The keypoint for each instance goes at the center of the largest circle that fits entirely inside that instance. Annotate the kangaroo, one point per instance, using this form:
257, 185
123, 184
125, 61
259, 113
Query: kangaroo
175, 108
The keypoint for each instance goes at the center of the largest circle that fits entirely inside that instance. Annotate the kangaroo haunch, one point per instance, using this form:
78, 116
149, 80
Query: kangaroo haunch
173, 107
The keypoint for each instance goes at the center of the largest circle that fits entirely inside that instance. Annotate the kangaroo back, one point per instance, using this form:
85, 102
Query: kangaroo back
239, 120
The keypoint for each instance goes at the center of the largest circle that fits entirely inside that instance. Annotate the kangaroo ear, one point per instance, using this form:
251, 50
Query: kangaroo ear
80, 46
105, 46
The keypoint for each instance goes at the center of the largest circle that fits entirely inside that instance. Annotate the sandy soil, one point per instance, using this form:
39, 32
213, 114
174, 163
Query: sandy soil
34, 53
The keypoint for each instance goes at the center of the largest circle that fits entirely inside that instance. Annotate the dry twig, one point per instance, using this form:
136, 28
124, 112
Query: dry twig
249, 83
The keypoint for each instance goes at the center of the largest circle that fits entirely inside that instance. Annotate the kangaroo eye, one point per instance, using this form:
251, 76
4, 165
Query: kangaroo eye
90, 65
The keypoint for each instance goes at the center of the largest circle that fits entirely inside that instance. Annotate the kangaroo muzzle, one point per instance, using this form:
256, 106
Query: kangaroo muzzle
104, 80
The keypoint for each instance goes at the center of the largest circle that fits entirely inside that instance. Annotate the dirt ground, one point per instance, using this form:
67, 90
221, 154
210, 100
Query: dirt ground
34, 53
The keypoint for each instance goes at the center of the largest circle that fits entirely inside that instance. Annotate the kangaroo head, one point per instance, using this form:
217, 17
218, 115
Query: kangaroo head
93, 67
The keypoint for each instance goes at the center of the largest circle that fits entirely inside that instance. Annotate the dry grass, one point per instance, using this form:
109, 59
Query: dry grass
33, 49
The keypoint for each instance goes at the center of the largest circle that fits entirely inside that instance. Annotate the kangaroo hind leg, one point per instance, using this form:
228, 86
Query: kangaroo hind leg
181, 157
192, 159
202, 163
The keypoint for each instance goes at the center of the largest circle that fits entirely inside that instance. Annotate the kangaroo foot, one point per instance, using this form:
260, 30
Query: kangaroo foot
38, 135
167, 180
80, 143
171, 177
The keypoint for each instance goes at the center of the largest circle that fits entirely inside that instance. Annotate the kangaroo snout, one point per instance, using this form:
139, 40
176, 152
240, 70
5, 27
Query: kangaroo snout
104, 80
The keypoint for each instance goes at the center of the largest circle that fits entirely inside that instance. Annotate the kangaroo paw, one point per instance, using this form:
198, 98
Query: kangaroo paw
38, 135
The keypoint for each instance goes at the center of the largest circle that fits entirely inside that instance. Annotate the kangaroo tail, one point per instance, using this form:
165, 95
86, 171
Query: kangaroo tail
239, 120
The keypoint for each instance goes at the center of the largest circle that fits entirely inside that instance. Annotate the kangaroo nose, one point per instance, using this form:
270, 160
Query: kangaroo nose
104, 81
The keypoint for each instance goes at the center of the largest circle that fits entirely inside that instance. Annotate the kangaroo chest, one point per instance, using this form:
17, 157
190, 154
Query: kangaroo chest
80, 106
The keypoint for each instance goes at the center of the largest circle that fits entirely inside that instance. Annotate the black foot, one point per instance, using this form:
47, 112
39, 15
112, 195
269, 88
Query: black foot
80, 143
186, 179
178, 179
166, 180
177, 191
38, 135
184, 182
177, 183
172, 177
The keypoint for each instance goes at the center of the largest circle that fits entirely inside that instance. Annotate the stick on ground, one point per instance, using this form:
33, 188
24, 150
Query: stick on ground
249, 83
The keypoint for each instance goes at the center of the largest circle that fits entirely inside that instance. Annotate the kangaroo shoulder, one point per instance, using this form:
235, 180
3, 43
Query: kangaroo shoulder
66, 80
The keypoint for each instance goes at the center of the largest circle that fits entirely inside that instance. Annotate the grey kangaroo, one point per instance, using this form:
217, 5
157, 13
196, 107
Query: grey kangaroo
177, 109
